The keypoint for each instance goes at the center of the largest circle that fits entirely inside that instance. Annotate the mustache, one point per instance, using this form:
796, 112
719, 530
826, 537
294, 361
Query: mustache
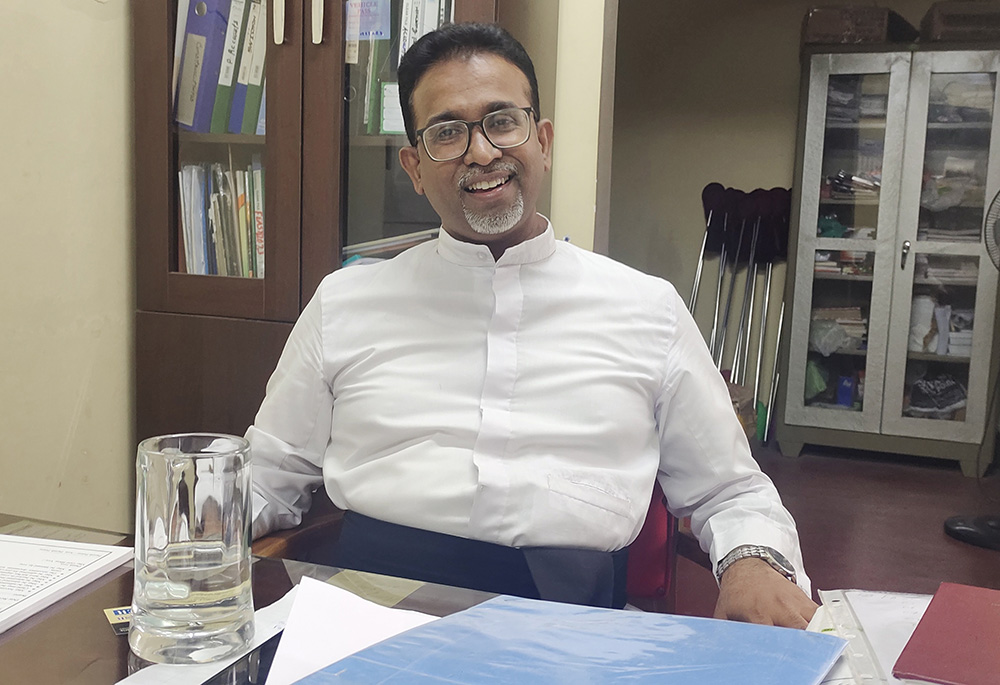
473, 175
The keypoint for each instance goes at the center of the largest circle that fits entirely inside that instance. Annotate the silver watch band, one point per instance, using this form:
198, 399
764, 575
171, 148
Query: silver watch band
774, 559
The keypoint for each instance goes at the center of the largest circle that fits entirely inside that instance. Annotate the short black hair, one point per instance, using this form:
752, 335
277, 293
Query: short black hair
458, 40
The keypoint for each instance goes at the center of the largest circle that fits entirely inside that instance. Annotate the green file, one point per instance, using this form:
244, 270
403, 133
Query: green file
235, 35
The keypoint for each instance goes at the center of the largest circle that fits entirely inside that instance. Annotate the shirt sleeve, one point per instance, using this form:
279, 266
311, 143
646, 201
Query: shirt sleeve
707, 471
289, 437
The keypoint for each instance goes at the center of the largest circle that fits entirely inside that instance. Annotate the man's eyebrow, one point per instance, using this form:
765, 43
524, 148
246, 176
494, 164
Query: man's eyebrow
454, 116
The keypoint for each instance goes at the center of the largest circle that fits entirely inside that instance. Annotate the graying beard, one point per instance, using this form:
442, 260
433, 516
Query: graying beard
494, 224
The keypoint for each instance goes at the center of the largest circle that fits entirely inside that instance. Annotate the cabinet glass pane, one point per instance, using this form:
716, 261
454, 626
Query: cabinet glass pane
219, 124
853, 148
838, 330
956, 156
384, 214
939, 344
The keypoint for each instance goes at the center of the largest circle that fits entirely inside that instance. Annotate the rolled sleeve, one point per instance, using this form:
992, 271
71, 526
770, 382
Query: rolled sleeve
707, 471
292, 429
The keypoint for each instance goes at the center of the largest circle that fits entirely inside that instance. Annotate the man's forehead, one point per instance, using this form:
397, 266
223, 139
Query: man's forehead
480, 79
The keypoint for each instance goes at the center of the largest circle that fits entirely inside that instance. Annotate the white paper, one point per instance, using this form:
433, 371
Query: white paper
35, 573
392, 112
268, 622
888, 620
327, 624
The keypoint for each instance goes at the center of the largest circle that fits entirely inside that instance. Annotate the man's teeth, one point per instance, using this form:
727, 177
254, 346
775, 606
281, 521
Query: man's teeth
487, 185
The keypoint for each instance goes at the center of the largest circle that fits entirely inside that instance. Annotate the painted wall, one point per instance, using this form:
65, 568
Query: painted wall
535, 23
565, 39
704, 91
66, 294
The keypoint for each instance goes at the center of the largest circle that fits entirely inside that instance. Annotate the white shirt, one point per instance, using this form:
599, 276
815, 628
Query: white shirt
525, 401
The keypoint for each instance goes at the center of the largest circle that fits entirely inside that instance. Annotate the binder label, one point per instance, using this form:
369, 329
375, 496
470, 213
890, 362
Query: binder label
194, 57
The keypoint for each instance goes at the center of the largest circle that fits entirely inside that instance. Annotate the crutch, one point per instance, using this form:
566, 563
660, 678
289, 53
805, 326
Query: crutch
710, 197
768, 252
740, 203
771, 398
756, 205
722, 272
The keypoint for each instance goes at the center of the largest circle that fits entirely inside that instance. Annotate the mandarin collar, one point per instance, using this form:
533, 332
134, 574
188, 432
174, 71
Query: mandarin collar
471, 254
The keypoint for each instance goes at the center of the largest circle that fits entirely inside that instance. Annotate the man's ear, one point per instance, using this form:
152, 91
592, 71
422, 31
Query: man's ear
409, 159
545, 134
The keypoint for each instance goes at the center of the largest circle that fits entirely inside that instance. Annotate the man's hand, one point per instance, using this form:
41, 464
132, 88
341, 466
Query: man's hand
753, 592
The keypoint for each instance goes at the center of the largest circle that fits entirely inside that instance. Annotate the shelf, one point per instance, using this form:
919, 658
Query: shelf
855, 125
940, 281
942, 358
845, 353
960, 126
220, 138
855, 202
835, 407
387, 247
864, 278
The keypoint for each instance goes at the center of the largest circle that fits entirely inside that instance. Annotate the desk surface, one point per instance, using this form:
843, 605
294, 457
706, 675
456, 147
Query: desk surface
72, 641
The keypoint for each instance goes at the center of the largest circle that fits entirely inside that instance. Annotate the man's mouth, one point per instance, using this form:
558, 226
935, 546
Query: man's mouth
486, 185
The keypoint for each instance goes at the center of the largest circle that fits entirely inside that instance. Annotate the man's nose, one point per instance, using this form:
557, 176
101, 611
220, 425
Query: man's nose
481, 151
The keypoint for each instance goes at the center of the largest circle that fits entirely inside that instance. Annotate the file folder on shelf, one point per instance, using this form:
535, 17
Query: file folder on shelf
204, 42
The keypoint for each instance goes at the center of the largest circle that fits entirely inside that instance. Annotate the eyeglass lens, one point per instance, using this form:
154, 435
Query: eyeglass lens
505, 128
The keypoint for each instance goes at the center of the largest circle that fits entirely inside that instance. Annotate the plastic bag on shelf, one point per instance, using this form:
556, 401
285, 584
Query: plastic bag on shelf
826, 337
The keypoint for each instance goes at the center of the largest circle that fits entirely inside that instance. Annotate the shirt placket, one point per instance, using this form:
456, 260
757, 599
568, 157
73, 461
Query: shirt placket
490, 506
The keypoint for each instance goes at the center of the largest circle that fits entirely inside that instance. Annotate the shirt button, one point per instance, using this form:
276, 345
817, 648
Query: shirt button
481, 256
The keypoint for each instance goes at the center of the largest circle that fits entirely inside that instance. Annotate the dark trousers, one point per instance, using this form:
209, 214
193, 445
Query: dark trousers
577, 576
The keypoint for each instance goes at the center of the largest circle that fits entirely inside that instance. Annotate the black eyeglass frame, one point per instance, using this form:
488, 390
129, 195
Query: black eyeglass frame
469, 126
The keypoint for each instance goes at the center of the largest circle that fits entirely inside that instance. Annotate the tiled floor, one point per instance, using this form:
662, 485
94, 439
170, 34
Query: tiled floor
873, 522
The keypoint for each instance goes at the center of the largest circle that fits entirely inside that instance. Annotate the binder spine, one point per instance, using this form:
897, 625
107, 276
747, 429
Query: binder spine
201, 63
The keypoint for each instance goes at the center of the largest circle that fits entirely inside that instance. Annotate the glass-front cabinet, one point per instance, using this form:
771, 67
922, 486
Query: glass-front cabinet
891, 289
266, 142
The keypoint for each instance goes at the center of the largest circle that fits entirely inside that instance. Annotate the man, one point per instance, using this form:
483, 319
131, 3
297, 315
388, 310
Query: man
492, 408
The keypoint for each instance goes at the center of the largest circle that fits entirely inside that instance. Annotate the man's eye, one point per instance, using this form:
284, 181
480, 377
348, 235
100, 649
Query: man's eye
448, 133
503, 122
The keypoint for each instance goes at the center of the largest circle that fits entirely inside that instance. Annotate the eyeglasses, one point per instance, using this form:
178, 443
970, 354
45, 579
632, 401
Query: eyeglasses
505, 128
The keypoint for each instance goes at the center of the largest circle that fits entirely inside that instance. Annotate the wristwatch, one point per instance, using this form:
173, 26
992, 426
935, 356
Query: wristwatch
773, 557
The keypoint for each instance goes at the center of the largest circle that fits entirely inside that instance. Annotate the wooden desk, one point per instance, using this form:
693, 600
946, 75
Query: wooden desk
72, 641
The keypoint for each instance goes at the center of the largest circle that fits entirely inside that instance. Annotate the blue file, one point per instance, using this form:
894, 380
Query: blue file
203, 45
514, 640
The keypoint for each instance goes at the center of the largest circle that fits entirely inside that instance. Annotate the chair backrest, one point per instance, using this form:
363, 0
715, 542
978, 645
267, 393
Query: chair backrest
652, 559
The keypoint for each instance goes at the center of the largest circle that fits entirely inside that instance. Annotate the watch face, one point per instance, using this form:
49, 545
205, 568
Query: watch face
782, 561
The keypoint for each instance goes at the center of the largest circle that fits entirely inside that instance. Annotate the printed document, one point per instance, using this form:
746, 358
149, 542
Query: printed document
35, 573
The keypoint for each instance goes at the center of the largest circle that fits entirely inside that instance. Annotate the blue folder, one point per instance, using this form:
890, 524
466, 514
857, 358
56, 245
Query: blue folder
201, 60
514, 640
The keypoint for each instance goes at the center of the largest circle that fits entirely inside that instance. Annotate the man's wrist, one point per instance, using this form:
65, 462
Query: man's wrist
768, 555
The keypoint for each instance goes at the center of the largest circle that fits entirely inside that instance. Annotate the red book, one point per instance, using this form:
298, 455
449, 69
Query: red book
957, 641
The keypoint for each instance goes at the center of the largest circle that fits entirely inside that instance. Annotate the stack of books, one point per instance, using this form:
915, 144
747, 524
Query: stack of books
222, 220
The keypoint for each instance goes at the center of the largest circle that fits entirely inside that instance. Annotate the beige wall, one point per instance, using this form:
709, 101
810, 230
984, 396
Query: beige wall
566, 40
66, 300
535, 23
705, 91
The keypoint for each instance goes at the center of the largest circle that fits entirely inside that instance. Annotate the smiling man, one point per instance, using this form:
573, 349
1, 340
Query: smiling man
492, 408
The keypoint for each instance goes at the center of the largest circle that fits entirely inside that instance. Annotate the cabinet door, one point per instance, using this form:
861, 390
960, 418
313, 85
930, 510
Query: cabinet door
945, 285
217, 200
848, 199
353, 133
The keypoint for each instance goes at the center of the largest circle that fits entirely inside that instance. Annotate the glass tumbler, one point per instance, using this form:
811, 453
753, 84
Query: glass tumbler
192, 599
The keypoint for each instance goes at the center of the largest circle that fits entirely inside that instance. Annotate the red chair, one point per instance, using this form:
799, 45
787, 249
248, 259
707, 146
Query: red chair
652, 559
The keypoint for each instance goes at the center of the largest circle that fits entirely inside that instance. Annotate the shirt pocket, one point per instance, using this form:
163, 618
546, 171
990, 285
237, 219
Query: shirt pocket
571, 494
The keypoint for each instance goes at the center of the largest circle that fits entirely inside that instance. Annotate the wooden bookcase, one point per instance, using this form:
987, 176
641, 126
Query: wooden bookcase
206, 345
